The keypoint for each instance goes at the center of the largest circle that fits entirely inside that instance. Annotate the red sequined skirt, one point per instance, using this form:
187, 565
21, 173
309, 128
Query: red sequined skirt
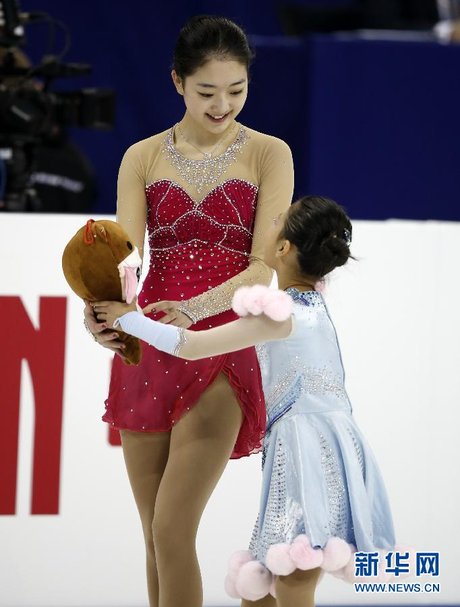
154, 395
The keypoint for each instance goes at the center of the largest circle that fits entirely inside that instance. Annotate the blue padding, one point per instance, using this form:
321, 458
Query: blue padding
373, 124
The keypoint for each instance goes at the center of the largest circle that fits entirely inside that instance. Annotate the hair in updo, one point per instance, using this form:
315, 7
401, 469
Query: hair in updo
321, 231
206, 37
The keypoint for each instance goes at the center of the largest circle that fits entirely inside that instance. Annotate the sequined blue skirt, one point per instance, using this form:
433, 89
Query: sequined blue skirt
320, 479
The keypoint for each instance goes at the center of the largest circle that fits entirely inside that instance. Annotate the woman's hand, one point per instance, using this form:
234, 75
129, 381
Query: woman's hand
100, 332
172, 316
107, 312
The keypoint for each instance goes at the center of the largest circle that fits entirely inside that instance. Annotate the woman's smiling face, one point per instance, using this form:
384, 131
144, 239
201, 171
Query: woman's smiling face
215, 93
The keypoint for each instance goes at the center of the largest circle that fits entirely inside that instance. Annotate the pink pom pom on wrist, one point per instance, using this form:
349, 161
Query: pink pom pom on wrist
259, 299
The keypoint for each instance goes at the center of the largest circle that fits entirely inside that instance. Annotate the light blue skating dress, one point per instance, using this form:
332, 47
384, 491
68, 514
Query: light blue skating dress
320, 478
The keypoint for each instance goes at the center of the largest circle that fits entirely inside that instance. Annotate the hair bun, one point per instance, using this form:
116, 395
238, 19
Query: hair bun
337, 248
321, 231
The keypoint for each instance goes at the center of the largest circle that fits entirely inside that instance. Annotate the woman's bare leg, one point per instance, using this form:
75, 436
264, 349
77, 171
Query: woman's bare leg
146, 454
200, 447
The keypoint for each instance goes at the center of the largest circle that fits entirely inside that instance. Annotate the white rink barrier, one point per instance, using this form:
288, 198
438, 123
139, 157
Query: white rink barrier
69, 530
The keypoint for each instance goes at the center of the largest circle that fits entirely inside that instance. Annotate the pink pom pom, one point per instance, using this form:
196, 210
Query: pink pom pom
347, 573
278, 306
254, 299
336, 554
230, 587
259, 298
279, 561
304, 555
320, 286
237, 560
253, 581
238, 305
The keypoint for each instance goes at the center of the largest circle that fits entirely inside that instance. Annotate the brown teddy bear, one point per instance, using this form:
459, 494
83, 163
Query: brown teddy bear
100, 263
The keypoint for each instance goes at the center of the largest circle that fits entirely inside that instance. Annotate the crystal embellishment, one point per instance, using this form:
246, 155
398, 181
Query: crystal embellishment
181, 340
207, 172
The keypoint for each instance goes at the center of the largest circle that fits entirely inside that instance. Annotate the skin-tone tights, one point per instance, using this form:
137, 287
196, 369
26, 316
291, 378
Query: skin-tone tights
172, 475
294, 590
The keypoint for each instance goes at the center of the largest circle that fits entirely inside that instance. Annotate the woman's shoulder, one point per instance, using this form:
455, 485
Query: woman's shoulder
266, 142
267, 151
147, 146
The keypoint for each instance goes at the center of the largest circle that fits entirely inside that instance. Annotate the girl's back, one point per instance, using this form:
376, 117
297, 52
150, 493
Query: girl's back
304, 372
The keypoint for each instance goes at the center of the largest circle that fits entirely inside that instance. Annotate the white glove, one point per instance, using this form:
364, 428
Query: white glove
166, 338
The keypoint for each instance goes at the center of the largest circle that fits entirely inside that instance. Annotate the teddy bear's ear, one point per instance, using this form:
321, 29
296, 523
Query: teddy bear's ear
102, 232
88, 236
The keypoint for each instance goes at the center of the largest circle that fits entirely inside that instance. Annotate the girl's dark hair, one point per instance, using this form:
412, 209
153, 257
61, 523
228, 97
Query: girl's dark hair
204, 37
321, 231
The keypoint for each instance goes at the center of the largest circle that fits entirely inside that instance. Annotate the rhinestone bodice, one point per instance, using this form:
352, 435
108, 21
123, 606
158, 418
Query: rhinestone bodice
196, 245
224, 217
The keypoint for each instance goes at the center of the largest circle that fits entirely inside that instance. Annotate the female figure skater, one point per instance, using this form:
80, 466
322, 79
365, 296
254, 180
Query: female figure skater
206, 189
322, 493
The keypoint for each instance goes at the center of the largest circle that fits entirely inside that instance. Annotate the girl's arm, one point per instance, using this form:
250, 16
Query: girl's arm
193, 345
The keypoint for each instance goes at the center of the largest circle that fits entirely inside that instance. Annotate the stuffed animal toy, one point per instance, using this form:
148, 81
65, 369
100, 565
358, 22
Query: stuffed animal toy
100, 263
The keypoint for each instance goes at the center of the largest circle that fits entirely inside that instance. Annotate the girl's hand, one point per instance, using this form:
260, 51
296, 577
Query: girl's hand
108, 311
100, 332
172, 316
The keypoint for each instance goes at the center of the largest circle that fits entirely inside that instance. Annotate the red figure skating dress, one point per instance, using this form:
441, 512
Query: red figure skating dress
201, 250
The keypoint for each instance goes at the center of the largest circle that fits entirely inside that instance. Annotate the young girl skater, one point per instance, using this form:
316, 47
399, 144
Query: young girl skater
322, 493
